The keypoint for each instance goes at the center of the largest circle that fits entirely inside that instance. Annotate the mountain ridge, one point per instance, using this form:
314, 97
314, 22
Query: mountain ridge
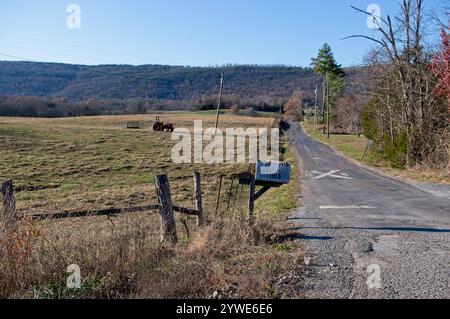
81, 82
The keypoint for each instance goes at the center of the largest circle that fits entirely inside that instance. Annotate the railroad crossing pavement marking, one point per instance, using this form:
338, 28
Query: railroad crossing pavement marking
332, 174
347, 207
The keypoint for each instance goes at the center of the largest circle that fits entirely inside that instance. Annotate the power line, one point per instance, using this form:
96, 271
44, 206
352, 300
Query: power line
77, 46
55, 53
16, 57
79, 67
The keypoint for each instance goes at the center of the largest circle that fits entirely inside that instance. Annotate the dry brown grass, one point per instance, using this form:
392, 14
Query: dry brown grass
225, 258
125, 260
85, 163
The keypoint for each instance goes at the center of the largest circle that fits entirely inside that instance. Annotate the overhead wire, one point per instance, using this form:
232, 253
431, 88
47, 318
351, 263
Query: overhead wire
76, 46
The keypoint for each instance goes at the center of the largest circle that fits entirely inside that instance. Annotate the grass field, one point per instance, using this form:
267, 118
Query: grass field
93, 163
82, 163
354, 147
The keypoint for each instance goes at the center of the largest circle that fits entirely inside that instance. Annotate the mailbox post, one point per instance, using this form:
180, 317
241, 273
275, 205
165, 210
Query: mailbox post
268, 175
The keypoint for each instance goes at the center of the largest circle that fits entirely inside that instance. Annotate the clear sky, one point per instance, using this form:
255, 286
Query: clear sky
186, 32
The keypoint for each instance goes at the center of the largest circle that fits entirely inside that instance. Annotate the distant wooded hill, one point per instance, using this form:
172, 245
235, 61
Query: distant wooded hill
79, 83
154, 86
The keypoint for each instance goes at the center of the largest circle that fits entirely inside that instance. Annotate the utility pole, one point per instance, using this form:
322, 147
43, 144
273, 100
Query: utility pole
324, 87
219, 102
328, 108
315, 111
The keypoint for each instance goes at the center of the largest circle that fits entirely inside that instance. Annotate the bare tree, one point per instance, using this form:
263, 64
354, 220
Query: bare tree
405, 80
348, 112
293, 107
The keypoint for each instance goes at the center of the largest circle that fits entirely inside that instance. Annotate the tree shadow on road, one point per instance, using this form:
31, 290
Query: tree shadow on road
394, 229
298, 236
300, 218
285, 125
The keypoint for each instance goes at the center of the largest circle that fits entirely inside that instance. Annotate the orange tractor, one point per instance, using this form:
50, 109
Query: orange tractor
162, 126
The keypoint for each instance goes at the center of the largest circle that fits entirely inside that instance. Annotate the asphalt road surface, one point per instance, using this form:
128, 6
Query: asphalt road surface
369, 235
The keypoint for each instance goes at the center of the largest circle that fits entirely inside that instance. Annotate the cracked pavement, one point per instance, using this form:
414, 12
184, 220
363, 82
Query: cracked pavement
353, 217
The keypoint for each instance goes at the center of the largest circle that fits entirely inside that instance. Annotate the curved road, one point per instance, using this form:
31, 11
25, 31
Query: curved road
369, 236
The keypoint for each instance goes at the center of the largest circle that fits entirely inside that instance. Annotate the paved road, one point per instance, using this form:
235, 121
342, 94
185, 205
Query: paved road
354, 220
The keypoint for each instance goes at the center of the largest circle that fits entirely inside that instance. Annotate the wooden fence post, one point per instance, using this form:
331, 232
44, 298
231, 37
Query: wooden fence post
168, 226
251, 200
198, 198
218, 195
9, 205
230, 194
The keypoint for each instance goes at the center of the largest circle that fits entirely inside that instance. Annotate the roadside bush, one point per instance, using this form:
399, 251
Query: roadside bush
395, 152
368, 122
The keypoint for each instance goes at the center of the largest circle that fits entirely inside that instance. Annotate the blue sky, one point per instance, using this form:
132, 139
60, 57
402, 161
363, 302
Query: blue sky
186, 32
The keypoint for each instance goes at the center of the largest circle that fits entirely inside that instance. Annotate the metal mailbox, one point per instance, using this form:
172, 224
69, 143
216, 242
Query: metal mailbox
273, 172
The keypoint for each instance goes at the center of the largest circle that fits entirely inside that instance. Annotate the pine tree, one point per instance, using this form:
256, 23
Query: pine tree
325, 64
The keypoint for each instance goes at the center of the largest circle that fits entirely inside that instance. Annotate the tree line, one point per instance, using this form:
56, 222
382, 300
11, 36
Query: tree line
32, 106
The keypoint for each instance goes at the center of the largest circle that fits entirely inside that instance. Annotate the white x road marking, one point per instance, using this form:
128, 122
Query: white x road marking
330, 174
